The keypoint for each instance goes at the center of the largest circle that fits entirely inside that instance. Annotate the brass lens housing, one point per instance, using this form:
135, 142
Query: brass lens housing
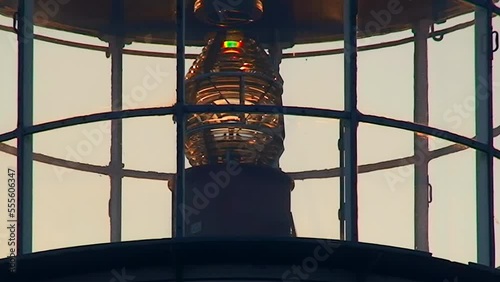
228, 12
241, 74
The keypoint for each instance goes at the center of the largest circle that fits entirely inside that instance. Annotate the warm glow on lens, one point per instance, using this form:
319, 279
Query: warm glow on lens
245, 77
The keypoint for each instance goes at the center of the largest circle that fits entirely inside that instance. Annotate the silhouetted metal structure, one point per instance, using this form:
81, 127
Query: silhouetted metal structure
229, 115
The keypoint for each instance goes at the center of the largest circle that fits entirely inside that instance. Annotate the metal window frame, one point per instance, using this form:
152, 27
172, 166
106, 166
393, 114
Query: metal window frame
25, 120
179, 117
484, 131
350, 119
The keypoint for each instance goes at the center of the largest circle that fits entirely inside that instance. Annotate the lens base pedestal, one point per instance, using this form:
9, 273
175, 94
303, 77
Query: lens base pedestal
237, 200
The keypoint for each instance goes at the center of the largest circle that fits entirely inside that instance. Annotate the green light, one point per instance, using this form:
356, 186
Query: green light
232, 44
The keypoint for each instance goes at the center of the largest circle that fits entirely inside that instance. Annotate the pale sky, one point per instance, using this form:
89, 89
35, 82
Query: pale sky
70, 207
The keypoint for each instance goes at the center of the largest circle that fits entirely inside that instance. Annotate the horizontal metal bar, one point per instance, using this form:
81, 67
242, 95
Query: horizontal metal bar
428, 130
486, 4
252, 126
240, 74
299, 175
163, 111
267, 109
105, 116
482, 3
291, 55
286, 110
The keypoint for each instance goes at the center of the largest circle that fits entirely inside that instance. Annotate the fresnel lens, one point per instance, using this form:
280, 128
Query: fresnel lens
235, 179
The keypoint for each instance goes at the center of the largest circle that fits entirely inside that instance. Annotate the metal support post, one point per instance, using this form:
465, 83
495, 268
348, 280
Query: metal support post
351, 125
116, 45
179, 191
484, 133
341, 180
24, 120
421, 142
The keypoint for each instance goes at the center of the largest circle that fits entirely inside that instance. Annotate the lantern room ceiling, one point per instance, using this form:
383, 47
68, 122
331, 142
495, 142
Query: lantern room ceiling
296, 21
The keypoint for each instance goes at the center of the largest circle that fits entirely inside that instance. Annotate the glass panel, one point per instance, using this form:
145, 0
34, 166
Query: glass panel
71, 87
315, 207
149, 153
453, 207
63, 194
148, 82
315, 81
149, 144
71, 205
84, 144
385, 196
147, 209
311, 148
8, 79
386, 74
69, 211
452, 89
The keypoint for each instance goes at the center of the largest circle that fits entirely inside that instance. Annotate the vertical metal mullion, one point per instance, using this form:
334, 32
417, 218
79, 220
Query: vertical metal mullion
116, 164
116, 45
421, 142
351, 125
341, 180
179, 191
24, 120
484, 133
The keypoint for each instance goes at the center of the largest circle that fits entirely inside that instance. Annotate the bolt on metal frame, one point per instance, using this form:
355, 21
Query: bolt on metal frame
350, 118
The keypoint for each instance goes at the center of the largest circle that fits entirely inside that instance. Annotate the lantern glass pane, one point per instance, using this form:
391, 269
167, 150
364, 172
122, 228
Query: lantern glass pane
65, 86
8, 79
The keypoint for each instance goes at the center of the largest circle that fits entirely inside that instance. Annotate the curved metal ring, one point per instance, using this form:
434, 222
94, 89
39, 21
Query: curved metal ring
291, 55
286, 110
301, 175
